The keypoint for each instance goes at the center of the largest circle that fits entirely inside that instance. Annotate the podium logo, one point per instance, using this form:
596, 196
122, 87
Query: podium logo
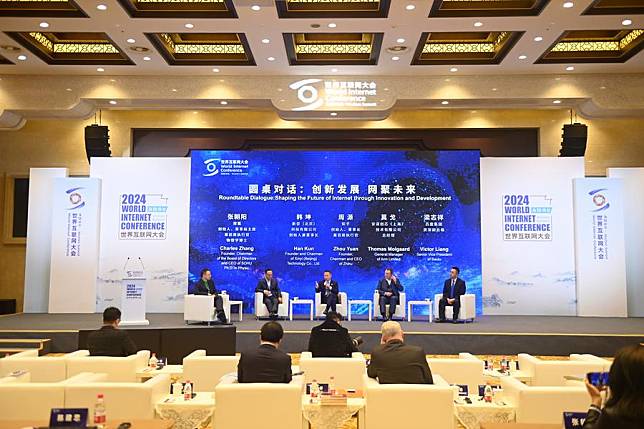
212, 167
599, 200
308, 94
75, 198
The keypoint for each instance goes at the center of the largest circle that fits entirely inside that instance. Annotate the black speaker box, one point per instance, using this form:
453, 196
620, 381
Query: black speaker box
573, 140
97, 141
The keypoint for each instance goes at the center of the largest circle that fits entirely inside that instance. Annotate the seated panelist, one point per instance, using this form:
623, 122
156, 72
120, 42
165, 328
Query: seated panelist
268, 286
328, 289
453, 289
389, 288
206, 286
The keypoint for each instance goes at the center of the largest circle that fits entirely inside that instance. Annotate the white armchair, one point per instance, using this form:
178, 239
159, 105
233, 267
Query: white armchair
348, 372
467, 311
592, 358
201, 308
205, 372
281, 405
540, 404
401, 307
43, 369
417, 405
262, 311
341, 307
123, 401
552, 372
467, 369
121, 369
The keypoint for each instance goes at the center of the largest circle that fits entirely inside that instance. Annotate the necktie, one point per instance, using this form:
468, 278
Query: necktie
451, 295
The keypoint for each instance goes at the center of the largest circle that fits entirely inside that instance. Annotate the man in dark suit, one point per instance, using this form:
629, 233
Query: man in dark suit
394, 362
453, 289
266, 364
110, 340
389, 289
272, 293
206, 286
328, 289
330, 339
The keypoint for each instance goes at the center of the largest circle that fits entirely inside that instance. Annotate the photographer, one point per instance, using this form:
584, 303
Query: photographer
330, 339
624, 407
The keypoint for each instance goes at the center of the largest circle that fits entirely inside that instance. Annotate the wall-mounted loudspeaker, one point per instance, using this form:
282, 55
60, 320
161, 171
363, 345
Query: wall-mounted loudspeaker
97, 141
573, 140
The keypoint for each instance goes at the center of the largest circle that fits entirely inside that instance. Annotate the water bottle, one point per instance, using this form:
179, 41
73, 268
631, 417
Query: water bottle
176, 388
187, 391
153, 362
315, 390
488, 394
99, 412
332, 385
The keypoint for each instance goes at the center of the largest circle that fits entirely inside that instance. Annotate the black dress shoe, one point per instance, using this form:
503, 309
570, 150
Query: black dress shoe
440, 321
455, 321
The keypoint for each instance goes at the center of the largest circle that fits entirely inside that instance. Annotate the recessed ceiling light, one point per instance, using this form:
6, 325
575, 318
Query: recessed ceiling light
453, 69
568, 4
478, 24
395, 58
174, 90
189, 25
215, 70
68, 89
131, 40
570, 68
223, 102
332, 25
410, 7
538, 39
556, 101
493, 89
255, 7
271, 58
112, 102
627, 22
333, 113
400, 40
523, 57
44, 24
100, 69
444, 102
101, 7
22, 57
265, 41
146, 58
334, 70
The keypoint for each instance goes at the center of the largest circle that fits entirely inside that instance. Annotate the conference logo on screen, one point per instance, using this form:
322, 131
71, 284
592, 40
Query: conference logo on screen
75, 198
212, 167
318, 93
225, 167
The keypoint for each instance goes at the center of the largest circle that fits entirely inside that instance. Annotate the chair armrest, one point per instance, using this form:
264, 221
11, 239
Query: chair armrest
306, 355
24, 354
86, 377
468, 356
370, 382
195, 354
77, 353
142, 358
439, 381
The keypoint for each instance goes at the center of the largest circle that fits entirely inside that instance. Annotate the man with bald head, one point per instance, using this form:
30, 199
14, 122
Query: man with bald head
394, 362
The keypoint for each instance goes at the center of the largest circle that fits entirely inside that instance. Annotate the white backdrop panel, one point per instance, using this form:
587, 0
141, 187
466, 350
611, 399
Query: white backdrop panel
144, 213
527, 235
634, 238
599, 247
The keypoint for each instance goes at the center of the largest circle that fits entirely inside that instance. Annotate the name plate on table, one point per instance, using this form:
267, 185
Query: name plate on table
574, 420
68, 417
463, 389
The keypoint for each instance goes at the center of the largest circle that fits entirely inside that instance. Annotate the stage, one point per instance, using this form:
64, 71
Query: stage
496, 335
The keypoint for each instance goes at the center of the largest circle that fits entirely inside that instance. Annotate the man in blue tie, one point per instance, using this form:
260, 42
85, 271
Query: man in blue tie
453, 288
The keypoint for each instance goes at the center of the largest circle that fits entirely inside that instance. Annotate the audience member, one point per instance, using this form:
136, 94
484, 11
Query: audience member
394, 362
267, 363
110, 340
331, 339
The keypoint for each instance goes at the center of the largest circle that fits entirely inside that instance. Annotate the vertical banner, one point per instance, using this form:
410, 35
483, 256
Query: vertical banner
133, 297
74, 245
39, 222
599, 247
633, 179
145, 211
527, 235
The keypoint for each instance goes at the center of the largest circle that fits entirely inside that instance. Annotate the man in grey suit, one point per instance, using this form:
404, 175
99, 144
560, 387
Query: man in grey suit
272, 293
389, 288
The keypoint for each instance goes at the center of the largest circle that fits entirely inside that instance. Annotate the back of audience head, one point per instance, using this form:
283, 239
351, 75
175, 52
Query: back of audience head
391, 330
111, 316
334, 315
272, 332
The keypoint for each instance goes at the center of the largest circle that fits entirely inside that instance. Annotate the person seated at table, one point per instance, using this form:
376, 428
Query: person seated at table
328, 289
389, 288
267, 363
331, 339
453, 289
394, 362
272, 293
110, 340
624, 407
206, 286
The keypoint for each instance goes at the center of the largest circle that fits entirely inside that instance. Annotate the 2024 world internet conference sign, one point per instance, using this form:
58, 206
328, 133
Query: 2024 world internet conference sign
354, 213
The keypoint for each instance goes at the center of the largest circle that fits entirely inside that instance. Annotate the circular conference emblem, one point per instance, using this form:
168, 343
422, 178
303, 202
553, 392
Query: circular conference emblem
75, 198
599, 200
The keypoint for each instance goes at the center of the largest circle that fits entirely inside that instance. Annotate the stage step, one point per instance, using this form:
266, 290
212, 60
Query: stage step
16, 345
